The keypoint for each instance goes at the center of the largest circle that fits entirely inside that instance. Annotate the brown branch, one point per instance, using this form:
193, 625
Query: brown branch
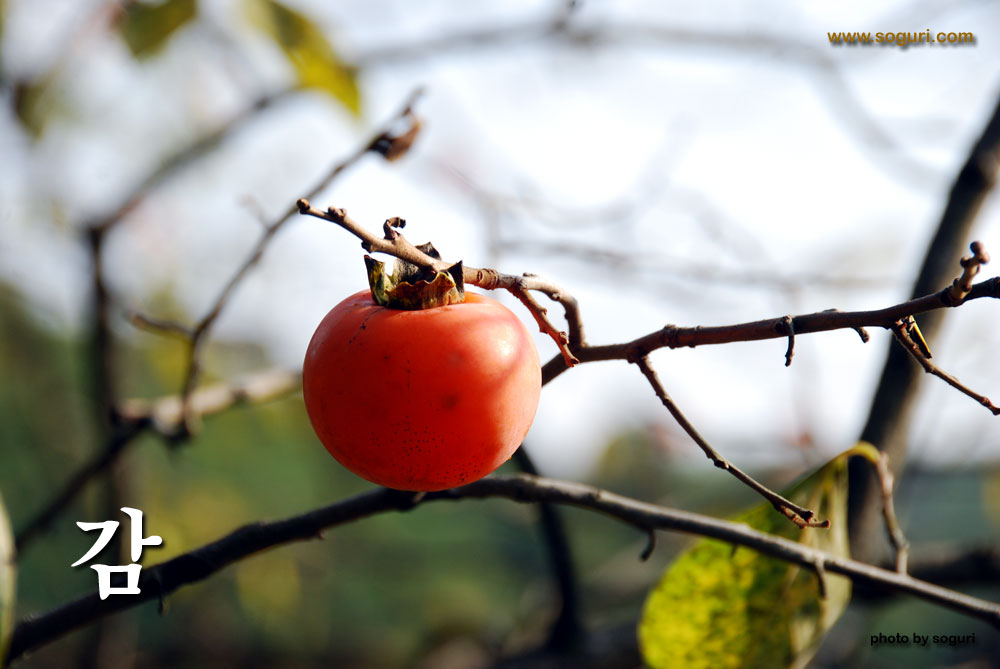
970, 268
800, 516
672, 336
894, 397
120, 437
159, 325
167, 413
902, 335
395, 244
947, 565
161, 580
899, 541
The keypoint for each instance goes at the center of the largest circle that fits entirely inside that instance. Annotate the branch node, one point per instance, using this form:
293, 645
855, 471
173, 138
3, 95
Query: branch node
789, 328
647, 552
820, 570
962, 286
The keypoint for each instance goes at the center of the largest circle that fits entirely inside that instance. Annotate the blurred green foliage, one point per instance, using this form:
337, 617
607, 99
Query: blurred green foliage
146, 26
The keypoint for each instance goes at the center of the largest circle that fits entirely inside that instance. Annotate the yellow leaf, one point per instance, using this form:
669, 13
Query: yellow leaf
310, 53
718, 606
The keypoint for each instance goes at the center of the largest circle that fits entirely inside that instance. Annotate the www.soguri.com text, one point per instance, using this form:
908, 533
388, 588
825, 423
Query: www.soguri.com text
903, 39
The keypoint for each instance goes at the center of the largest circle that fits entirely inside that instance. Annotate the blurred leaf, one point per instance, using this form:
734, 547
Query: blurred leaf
316, 63
146, 26
8, 575
35, 103
722, 606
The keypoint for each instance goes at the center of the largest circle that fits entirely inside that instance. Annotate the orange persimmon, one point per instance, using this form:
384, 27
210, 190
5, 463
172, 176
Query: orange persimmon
423, 399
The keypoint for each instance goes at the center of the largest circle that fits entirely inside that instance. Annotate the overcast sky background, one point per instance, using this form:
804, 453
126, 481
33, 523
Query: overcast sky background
749, 167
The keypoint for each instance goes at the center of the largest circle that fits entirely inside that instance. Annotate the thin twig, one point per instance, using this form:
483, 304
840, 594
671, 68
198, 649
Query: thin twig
158, 325
902, 335
970, 268
672, 336
167, 413
790, 351
121, 437
800, 516
199, 564
899, 541
188, 154
395, 244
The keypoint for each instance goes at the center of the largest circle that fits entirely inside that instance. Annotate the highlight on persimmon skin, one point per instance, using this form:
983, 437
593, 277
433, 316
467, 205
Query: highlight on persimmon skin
421, 400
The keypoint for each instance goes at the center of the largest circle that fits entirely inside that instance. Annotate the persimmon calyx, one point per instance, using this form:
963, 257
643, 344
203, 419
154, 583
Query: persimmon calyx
411, 287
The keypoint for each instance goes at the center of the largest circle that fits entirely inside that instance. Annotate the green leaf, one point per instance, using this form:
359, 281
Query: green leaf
721, 606
146, 26
35, 104
8, 577
316, 63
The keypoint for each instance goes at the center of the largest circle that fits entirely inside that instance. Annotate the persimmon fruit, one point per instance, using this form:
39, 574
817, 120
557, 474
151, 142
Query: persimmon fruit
423, 399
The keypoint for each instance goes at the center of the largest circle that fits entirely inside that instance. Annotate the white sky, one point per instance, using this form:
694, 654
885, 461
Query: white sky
729, 163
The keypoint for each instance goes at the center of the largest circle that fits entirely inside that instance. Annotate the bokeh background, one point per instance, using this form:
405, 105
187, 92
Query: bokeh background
682, 162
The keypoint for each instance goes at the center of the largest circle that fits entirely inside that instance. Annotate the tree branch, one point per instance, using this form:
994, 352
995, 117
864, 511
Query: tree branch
950, 566
797, 514
567, 628
163, 579
894, 397
394, 244
672, 336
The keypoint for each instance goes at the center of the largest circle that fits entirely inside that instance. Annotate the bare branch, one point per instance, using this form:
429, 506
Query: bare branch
119, 439
159, 581
899, 540
970, 268
159, 325
167, 413
902, 335
894, 397
395, 244
672, 336
186, 155
797, 514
